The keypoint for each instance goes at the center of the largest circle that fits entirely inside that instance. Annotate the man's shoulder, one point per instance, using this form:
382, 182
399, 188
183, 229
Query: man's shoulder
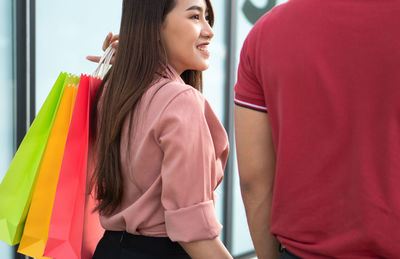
286, 10
282, 19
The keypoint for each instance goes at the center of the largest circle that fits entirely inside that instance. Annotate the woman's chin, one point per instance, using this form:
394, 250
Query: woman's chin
202, 67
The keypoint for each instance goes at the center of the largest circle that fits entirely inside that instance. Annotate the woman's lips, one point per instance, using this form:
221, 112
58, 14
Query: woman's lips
203, 48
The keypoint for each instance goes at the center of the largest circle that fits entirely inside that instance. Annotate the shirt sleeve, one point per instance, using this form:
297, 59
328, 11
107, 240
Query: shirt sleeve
248, 90
189, 169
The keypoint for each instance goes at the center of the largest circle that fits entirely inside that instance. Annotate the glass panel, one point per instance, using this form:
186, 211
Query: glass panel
215, 80
248, 12
6, 99
65, 37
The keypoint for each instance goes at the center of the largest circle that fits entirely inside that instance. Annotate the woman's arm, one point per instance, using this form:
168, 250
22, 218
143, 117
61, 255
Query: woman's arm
206, 249
190, 170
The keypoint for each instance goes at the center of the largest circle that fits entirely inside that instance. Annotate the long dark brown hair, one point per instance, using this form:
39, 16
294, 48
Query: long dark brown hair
140, 56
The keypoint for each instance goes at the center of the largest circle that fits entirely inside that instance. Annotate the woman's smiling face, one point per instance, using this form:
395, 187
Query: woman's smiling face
186, 34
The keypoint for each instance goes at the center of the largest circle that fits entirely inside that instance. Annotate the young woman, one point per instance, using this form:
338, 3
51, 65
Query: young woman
160, 149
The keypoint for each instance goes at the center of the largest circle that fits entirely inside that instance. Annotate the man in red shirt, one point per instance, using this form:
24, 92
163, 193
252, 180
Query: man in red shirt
317, 120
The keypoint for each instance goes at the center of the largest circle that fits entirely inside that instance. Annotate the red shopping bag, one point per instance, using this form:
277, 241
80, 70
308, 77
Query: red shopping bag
92, 229
65, 238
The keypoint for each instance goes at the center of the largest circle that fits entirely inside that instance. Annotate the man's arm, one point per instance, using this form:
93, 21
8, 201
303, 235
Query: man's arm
256, 160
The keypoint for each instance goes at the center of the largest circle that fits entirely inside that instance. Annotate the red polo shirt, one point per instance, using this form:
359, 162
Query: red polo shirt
328, 74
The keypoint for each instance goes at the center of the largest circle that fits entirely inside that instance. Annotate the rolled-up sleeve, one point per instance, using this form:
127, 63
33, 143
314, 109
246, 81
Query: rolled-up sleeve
189, 169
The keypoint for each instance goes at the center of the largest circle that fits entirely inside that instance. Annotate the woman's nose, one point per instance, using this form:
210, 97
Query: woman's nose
207, 31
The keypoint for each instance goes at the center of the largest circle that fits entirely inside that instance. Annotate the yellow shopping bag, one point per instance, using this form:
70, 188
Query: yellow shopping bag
36, 229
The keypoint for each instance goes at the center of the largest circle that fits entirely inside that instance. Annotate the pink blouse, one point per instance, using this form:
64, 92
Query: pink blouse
172, 161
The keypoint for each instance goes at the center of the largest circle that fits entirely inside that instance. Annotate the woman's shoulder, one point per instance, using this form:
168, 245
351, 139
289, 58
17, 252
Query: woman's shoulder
174, 93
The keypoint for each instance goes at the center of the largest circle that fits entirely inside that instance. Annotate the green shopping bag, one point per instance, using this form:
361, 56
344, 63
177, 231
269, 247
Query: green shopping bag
37, 223
18, 184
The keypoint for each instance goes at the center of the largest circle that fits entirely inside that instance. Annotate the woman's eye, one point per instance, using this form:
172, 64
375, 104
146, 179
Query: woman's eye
196, 17
208, 18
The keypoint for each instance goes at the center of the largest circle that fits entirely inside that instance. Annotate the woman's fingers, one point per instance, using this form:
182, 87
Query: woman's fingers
107, 41
93, 58
115, 37
115, 45
111, 39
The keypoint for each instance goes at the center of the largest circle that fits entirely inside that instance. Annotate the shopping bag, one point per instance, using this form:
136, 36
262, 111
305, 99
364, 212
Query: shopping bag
67, 219
17, 186
37, 223
92, 229
74, 228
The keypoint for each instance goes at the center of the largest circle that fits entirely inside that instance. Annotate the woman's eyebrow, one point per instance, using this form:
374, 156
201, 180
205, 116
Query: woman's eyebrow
195, 7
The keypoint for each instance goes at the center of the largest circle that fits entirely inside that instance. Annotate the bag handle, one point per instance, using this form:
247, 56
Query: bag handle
104, 63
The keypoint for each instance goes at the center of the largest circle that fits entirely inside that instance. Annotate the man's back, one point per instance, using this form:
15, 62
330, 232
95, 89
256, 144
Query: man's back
328, 72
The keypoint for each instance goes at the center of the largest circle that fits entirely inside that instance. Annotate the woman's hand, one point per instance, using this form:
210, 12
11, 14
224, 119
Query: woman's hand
206, 249
111, 39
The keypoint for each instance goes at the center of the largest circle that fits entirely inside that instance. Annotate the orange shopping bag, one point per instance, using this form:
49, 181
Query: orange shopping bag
37, 224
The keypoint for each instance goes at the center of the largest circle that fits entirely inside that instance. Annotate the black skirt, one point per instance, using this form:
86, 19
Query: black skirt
123, 245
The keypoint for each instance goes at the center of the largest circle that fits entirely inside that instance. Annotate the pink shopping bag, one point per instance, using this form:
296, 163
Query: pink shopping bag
65, 238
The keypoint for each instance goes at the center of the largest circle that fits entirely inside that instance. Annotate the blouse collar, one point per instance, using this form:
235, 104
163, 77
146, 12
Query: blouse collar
173, 75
